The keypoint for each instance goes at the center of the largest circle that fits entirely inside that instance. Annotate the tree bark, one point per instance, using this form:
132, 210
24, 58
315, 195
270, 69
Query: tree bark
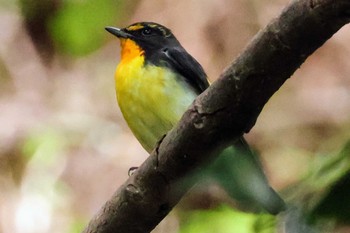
224, 112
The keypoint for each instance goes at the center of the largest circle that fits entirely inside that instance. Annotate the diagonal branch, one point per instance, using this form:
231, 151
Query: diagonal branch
221, 114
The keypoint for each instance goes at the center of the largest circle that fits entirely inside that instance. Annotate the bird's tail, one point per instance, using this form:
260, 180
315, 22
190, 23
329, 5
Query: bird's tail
239, 171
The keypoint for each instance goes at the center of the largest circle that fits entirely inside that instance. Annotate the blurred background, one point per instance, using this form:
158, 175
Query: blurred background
65, 148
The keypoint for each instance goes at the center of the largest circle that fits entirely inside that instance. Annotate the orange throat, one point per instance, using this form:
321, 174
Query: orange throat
130, 50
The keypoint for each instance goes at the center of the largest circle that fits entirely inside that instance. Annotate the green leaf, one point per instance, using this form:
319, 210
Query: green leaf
227, 220
324, 193
78, 27
45, 145
336, 202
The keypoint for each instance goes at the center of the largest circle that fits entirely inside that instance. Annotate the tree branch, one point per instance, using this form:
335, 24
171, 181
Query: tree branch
220, 115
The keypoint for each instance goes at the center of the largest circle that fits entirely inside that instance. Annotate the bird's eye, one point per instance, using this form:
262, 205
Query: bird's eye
146, 31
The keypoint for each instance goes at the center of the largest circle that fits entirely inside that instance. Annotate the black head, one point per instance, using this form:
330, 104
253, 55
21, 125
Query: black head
151, 37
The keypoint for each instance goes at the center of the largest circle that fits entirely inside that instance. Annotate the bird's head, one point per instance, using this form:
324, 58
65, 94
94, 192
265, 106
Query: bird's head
149, 37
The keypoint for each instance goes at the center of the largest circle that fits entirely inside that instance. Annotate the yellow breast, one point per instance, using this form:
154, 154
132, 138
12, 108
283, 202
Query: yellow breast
152, 99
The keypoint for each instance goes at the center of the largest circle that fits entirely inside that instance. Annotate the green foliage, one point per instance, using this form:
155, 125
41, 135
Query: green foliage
227, 220
78, 27
45, 145
8, 3
77, 226
335, 178
323, 193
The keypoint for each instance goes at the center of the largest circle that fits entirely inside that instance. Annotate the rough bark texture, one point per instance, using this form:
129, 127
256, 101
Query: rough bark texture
220, 115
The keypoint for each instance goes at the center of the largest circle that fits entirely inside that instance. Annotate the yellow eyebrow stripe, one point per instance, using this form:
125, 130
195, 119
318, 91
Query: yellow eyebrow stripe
135, 27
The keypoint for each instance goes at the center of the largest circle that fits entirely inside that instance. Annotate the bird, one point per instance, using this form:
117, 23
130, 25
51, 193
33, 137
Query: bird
156, 81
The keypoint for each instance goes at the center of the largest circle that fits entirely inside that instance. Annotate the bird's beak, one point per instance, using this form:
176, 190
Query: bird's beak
118, 32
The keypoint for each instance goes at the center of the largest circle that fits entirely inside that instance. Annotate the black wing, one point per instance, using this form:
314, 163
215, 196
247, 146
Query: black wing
188, 67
